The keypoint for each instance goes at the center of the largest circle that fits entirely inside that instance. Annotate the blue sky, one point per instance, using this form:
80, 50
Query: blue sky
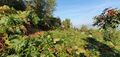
82, 11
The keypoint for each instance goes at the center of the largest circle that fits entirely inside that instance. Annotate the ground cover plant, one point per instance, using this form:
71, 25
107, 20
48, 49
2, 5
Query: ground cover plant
33, 31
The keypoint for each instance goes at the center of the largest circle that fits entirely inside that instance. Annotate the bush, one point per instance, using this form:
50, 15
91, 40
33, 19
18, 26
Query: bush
66, 24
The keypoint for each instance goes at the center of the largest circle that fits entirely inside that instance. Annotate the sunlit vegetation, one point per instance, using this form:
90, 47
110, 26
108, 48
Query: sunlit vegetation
33, 31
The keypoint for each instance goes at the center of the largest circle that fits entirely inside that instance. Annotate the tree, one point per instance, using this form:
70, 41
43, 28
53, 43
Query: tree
66, 24
108, 20
17, 4
44, 8
40, 11
84, 28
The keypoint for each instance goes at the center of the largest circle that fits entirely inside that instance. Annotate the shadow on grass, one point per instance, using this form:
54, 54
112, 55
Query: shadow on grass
103, 49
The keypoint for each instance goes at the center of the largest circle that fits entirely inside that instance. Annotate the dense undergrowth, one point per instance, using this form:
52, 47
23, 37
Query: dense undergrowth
18, 37
62, 43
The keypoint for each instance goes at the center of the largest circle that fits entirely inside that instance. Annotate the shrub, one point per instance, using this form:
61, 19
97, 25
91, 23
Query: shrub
66, 24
